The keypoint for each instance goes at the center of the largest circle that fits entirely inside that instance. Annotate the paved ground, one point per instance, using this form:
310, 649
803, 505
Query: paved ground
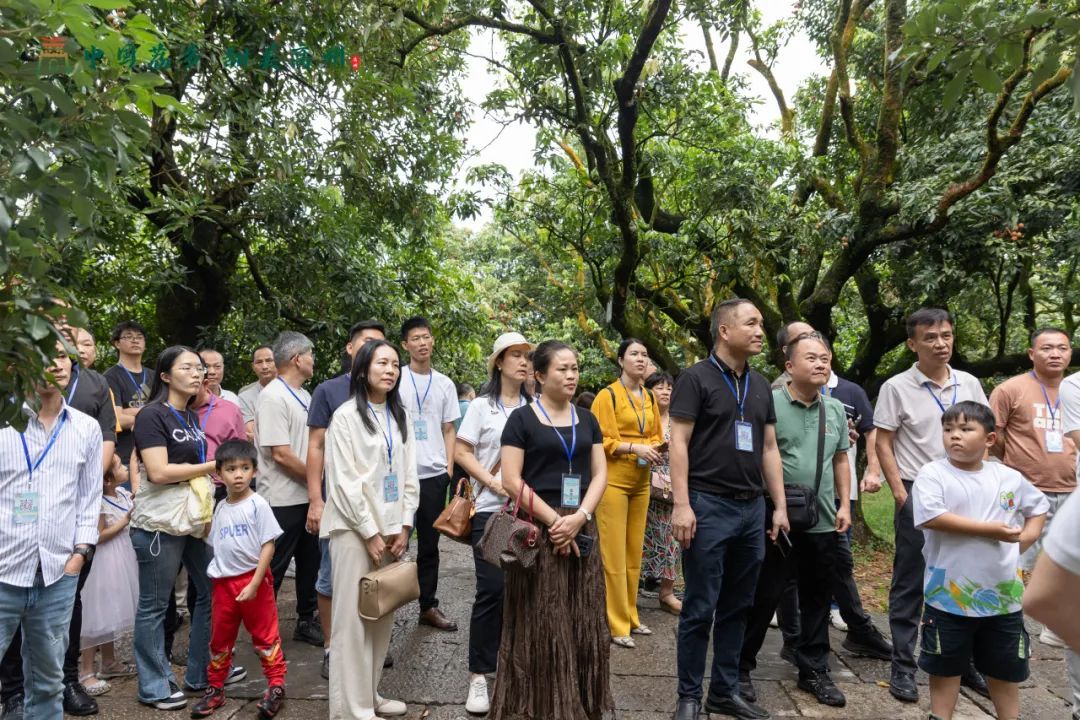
430, 672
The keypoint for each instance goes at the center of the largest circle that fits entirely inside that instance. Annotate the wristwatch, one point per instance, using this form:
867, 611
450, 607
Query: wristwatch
586, 513
87, 551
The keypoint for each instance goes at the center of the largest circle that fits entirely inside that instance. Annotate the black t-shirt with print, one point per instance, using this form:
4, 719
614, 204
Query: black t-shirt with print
157, 425
131, 390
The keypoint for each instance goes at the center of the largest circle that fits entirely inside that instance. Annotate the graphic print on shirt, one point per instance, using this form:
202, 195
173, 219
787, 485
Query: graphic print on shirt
966, 597
1007, 501
1041, 417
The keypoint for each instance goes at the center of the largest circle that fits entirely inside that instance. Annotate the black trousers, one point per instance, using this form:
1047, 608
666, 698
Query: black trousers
11, 667
812, 560
906, 590
432, 501
297, 542
485, 627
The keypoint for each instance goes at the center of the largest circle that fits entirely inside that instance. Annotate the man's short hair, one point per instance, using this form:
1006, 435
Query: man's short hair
1048, 330
784, 333
792, 344
125, 325
414, 323
722, 314
927, 317
236, 450
260, 347
970, 410
288, 344
363, 325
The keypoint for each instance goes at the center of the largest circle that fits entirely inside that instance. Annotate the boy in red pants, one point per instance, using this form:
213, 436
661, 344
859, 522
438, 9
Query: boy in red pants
242, 534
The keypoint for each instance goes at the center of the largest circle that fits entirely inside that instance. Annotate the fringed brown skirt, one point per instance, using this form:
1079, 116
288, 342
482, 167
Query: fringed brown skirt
553, 658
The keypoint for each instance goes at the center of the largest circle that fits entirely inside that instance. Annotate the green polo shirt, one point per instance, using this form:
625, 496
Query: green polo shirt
797, 436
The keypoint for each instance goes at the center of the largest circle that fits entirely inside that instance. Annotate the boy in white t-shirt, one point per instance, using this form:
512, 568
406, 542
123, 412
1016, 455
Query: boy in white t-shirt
242, 534
977, 519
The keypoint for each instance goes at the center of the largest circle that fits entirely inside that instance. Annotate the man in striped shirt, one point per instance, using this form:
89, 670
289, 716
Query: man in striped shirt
50, 497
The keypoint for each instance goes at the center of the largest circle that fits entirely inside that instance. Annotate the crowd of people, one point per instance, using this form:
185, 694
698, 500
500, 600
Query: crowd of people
141, 496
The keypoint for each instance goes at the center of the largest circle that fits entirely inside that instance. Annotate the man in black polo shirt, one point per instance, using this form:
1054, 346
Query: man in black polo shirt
723, 454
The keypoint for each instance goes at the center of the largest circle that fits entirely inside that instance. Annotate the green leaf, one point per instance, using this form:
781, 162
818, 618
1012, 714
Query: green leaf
37, 327
987, 79
1074, 86
953, 89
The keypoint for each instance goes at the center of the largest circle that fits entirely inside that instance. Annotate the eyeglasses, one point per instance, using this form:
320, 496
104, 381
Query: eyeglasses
197, 369
132, 338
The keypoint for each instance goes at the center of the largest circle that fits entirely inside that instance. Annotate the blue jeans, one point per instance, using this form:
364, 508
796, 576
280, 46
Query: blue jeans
324, 583
160, 556
721, 569
45, 613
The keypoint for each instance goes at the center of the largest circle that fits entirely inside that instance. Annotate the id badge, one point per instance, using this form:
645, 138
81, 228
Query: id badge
744, 436
420, 429
571, 490
26, 508
1055, 443
390, 488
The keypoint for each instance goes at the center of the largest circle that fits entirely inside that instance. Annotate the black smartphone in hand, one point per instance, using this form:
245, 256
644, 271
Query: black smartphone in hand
783, 543
584, 544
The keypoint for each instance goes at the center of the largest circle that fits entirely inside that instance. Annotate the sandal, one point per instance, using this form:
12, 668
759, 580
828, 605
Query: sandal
94, 686
117, 670
670, 603
624, 642
642, 629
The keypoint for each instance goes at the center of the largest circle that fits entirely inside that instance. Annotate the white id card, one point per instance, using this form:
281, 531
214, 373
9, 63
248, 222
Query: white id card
390, 488
744, 436
420, 429
1055, 443
26, 508
571, 490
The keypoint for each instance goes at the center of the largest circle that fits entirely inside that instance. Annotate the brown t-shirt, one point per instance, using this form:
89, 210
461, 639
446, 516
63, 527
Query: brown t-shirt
1023, 416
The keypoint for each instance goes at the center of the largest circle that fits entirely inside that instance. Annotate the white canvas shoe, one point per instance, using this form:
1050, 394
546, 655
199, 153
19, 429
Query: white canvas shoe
478, 704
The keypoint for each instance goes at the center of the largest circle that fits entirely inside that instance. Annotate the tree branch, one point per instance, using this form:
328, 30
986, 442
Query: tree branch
787, 115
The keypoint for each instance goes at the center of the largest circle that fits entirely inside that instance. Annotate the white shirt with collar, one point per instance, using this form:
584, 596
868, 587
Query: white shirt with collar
65, 489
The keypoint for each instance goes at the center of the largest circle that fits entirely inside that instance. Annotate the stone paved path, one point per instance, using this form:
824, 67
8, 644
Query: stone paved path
431, 671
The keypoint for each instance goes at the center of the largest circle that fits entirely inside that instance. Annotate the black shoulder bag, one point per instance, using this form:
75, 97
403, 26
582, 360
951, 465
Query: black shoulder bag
802, 506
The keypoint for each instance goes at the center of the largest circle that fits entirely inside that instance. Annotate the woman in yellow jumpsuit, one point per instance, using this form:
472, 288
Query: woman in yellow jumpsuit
633, 441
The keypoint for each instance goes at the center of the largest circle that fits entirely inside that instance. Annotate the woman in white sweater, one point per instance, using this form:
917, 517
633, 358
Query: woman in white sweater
372, 492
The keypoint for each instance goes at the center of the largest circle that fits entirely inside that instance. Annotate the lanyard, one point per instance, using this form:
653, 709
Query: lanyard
644, 410
200, 437
573, 432
388, 435
73, 384
740, 399
32, 466
137, 386
420, 402
938, 400
115, 505
295, 396
498, 401
206, 417
1050, 410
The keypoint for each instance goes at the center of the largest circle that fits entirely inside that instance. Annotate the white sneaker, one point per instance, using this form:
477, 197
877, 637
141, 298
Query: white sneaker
390, 707
1049, 637
478, 704
837, 621
775, 622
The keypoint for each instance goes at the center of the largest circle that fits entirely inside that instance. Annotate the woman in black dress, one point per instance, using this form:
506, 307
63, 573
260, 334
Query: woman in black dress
553, 658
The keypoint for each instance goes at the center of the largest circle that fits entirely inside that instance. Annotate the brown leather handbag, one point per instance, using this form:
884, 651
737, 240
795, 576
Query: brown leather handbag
511, 542
384, 590
455, 521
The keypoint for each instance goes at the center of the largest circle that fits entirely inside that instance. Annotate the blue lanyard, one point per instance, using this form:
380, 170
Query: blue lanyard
388, 434
419, 402
498, 402
573, 432
206, 417
644, 409
138, 387
32, 466
740, 399
1057, 404
295, 396
200, 437
938, 400
73, 384
118, 507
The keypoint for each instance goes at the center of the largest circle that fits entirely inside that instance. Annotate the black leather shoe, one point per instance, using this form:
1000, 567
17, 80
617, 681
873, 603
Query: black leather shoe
389, 661
974, 680
687, 709
903, 688
746, 688
308, 631
13, 708
736, 707
821, 686
871, 644
77, 702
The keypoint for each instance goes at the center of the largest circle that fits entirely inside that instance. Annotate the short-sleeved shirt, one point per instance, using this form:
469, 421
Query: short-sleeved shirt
857, 408
1069, 392
281, 419
968, 575
482, 427
176, 430
432, 407
130, 390
1062, 541
702, 396
249, 395
545, 455
88, 392
911, 405
797, 437
237, 535
1022, 418
221, 421
328, 397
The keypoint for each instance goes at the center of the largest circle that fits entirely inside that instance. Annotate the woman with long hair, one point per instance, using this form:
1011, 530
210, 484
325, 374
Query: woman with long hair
633, 443
166, 533
479, 443
553, 657
661, 552
372, 493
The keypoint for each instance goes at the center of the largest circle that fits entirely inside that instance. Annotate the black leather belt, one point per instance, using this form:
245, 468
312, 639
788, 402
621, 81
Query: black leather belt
741, 495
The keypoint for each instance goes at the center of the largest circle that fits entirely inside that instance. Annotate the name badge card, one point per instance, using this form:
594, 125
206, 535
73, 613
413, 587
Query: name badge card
391, 492
27, 508
571, 490
420, 429
744, 436
1055, 443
